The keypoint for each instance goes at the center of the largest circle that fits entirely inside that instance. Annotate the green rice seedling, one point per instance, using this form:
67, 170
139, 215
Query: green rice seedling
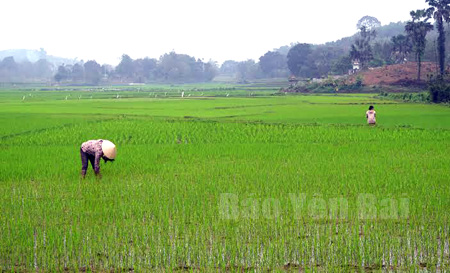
309, 186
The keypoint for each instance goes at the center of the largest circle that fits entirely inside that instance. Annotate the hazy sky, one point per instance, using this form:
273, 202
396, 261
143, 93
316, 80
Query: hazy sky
206, 29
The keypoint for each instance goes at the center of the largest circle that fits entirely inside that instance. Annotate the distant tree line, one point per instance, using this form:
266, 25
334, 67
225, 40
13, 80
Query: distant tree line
11, 71
90, 73
372, 46
170, 67
242, 71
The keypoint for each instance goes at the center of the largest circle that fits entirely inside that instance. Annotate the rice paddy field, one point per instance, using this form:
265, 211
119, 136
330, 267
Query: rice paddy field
221, 178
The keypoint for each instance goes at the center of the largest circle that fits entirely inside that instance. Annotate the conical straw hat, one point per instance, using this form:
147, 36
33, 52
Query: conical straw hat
109, 149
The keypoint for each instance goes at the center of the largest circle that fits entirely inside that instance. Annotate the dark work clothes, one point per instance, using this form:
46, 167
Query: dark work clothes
91, 151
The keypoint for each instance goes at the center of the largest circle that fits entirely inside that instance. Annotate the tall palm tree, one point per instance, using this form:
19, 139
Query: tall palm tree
417, 30
402, 47
440, 10
361, 50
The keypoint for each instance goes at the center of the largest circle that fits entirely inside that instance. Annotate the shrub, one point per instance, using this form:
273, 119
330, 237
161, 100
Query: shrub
406, 97
439, 90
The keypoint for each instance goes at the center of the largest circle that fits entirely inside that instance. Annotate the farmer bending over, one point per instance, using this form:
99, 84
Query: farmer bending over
93, 150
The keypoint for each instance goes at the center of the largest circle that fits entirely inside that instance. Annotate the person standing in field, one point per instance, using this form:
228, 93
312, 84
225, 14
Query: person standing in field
371, 116
93, 150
